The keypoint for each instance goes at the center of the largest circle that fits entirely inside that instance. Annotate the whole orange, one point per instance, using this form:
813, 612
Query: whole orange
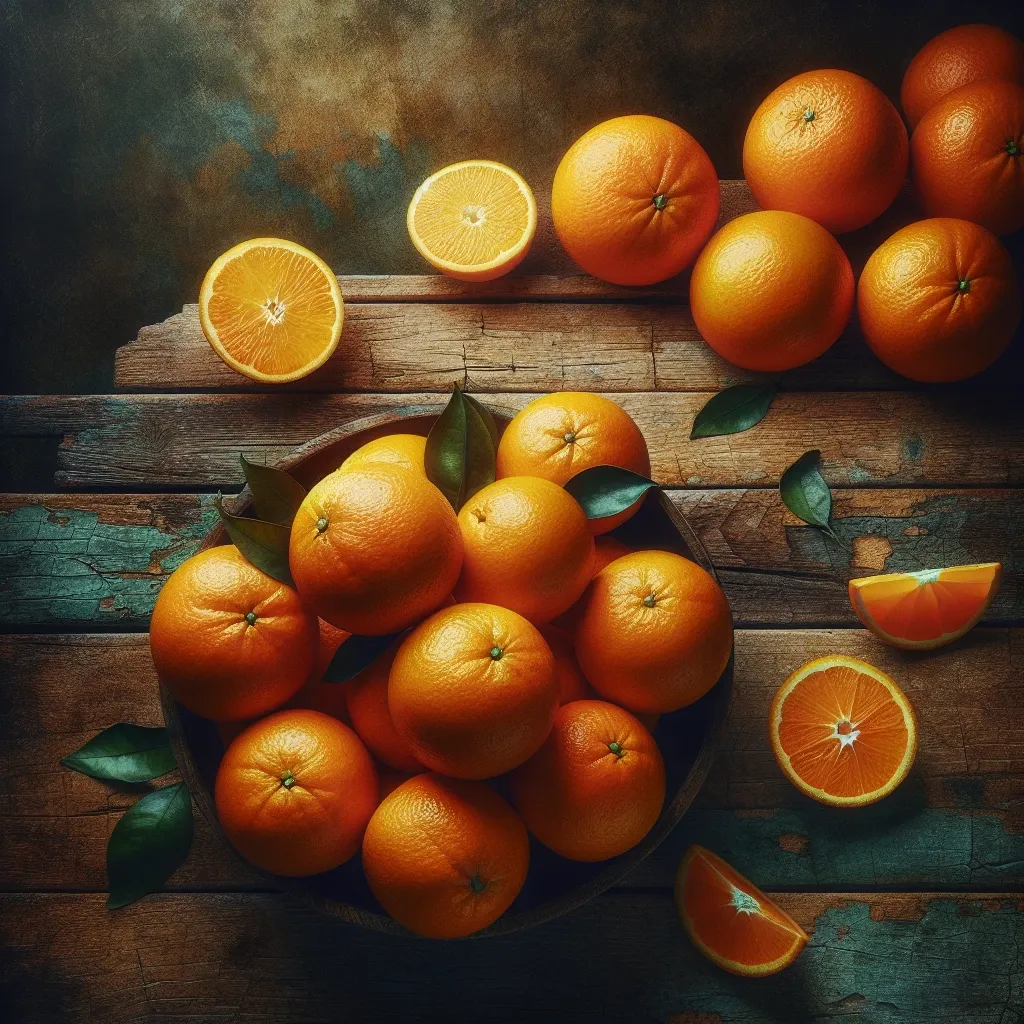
956, 57
967, 156
228, 641
596, 787
473, 691
294, 792
571, 684
654, 632
634, 199
375, 548
404, 450
939, 300
771, 290
366, 697
445, 857
828, 145
562, 434
527, 547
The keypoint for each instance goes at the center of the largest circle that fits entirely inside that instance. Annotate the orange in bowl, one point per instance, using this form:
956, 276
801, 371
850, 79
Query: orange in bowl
403, 450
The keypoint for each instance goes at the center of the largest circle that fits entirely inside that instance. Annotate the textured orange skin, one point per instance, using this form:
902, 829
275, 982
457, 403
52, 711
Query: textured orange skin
911, 310
445, 857
390, 554
606, 550
316, 695
960, 163
956, 57
581, 799
771, 291
390, 779
318, 823
844, 167
653, 659
209, 657
527, 547
602, 200
534, 444
463, 712
404, 450
366, 697
571, 684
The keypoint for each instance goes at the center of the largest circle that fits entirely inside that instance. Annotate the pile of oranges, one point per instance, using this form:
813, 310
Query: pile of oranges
529, 658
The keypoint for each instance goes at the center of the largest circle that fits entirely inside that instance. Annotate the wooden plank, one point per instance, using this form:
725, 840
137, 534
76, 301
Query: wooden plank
262, 958
98, 560
866, 438
958, 821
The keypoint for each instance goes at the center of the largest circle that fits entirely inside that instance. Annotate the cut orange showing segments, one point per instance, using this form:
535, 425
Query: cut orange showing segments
843, 732
473, 220
730, 920
922, 610
271, 310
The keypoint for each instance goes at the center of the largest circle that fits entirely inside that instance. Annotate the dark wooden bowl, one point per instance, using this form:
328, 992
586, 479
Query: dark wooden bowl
687, 738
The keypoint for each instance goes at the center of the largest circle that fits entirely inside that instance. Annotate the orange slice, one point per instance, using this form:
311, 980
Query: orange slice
730, 920
843, 732
474, 220
271, 310
922, 610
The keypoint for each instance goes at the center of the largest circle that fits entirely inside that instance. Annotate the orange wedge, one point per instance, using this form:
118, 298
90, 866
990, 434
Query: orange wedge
271, 310
730, 920
473, 220
922, 610
843, 732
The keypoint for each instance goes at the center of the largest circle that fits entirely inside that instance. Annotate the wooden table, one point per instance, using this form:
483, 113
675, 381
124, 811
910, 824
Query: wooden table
915, 904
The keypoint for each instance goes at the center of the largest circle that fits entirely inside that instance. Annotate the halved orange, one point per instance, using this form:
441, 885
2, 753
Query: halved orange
842, 731
922, 610
271, 309
473, 220
730, 920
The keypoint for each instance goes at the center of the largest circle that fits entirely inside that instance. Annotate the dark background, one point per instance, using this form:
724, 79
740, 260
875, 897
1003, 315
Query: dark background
144, 138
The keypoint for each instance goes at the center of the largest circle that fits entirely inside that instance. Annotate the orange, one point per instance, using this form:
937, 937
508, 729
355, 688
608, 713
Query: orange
560, 435
829, 145
404, 450
271, 310
527, 547
926, 609
939, 300
654, 632
731, 921
445, 857
473, 690
956, 57
771, 291
967, 156
295, 791
571, 684
596, 787
634, 199
375, 548
367, 699
606, 550
390, 779
473, 220
316, 695
228, 641
842, 731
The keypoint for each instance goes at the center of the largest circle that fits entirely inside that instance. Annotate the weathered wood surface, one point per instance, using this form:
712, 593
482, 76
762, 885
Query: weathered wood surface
958, 821
98, 560
866, 438
879, 958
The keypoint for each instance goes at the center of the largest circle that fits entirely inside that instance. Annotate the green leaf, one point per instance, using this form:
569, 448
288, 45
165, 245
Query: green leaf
262, 543
124, 753
805, 493
355, 654
148, 844
276, 495
607, 490
733, 410
461, 447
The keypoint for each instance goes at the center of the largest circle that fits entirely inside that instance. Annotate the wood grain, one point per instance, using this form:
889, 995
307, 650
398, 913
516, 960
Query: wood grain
866, 438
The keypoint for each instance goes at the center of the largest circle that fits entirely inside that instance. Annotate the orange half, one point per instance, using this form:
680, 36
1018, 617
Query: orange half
730, 920
843, 732
922, 610
271, 310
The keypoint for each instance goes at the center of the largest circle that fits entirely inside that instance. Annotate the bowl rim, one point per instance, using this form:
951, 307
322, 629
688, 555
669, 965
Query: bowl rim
616, 869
